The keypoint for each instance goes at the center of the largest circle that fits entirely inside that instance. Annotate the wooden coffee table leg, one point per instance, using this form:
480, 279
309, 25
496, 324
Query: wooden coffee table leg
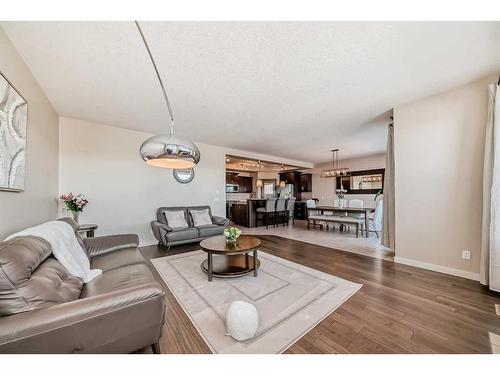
255, 262
246, 261
210, 266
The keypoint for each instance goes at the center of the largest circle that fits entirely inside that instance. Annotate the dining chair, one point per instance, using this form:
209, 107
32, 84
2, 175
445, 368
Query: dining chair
355, 203
267, 210
352, 203
376, 222
290, 208
310, 204
330, 214
311, 207
312, 211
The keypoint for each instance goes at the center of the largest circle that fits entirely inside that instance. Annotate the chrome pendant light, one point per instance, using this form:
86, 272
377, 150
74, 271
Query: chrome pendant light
167, 151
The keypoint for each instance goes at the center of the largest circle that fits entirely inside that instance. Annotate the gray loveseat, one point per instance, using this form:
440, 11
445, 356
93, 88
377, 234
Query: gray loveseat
168, 236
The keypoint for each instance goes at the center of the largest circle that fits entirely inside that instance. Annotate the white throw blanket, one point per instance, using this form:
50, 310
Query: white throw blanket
65, 247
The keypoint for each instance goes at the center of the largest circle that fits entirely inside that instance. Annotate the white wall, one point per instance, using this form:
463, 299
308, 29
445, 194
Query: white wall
439, 148
324, 188
269, 175
103, 163
38, 202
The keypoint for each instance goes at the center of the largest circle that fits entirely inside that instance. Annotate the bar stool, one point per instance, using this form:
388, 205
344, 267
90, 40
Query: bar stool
281, 210
269, 209
290, 207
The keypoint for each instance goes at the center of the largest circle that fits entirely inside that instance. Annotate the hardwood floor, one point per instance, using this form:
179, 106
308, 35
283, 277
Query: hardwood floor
399, 309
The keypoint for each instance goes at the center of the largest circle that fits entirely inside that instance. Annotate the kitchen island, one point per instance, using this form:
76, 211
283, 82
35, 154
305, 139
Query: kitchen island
244, 213
253, 204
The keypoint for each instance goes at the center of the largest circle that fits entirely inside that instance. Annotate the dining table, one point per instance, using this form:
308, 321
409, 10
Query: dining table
366, 211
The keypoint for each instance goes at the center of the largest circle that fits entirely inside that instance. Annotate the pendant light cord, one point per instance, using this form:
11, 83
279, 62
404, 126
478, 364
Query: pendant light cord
158, 75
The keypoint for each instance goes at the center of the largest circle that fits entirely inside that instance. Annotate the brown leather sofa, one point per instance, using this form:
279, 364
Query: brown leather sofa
43, 309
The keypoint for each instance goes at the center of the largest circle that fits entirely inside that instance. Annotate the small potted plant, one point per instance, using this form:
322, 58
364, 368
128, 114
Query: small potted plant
341, 196
231, 234
74, 203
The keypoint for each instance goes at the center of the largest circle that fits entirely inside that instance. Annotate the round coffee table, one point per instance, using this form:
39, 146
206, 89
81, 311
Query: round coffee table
233, 260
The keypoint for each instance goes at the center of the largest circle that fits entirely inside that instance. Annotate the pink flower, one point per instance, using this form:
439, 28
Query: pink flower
74, 202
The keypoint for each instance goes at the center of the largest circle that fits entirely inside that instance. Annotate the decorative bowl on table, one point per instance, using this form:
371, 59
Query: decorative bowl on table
232, 234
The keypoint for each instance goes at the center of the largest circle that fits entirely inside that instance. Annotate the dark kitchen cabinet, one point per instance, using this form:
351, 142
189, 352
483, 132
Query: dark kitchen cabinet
300, 211
239, 214
230, 178
245, 184
290, 177
305, 183
302, 182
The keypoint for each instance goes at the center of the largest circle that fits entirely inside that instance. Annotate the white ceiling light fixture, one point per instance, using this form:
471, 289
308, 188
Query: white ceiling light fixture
167, 151
336, 171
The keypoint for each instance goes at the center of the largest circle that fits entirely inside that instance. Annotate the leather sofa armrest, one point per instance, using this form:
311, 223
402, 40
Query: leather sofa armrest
160, 230
83, 325
106, 244
220, 220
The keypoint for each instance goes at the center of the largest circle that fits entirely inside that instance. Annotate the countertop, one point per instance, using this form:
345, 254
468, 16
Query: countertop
236, 202
255, 199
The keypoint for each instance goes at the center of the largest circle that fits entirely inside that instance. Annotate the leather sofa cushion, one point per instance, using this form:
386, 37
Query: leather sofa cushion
210, 230
30, 278
182, 234
118, 278
117, 259
122, 321
108, 244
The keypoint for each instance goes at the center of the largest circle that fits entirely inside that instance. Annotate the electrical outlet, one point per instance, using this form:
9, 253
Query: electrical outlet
466, 255
497, 309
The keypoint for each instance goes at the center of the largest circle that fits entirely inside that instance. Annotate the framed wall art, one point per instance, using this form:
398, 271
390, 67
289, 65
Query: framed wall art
13, 126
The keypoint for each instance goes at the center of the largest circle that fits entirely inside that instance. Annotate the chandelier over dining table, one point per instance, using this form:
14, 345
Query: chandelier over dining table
335, 171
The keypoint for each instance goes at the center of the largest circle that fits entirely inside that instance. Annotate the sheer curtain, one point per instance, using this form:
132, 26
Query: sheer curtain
388, 215
490, 238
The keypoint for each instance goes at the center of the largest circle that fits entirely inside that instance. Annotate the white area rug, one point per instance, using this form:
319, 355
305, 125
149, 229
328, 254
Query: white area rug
291, 300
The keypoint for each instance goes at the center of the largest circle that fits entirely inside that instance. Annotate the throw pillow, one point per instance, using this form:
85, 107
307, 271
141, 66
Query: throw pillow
201, 217
176, 219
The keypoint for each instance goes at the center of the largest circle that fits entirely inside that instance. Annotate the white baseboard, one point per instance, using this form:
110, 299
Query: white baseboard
437, 268
148, 243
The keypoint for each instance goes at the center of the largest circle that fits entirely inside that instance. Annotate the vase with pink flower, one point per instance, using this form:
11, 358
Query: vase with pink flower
74, 204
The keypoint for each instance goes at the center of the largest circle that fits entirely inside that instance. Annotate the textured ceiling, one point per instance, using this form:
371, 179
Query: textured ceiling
252, 165
290, 89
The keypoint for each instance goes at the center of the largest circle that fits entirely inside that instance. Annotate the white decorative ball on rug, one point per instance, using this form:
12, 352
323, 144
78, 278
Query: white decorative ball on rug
242, 320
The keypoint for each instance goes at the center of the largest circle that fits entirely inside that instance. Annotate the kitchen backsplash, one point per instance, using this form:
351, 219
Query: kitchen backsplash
237, 196
306, 195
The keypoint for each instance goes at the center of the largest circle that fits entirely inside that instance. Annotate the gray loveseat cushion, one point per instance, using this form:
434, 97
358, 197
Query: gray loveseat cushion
160, 214
182, 234
210, 230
